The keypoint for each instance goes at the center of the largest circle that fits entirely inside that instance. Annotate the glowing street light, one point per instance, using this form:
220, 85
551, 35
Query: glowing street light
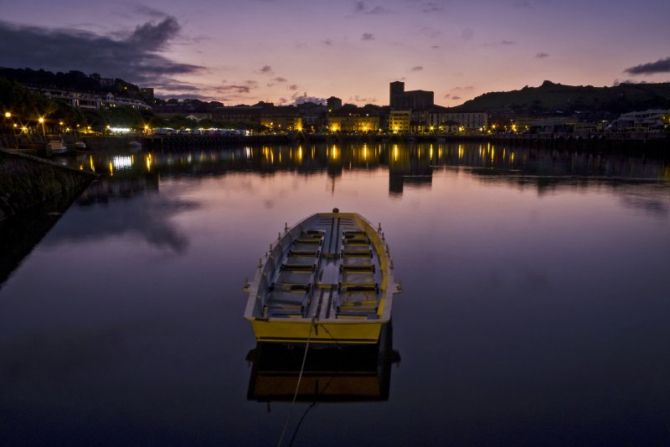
8, 115
40, 120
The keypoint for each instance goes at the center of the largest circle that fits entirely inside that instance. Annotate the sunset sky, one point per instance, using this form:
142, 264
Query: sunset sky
278, 50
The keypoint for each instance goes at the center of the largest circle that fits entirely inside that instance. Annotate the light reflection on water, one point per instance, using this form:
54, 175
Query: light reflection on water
534, 309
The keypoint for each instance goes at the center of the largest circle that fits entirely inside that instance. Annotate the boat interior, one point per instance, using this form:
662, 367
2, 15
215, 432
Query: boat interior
326, 267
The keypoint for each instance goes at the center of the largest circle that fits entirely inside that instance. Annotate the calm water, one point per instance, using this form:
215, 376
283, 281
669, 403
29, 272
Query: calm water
535, 306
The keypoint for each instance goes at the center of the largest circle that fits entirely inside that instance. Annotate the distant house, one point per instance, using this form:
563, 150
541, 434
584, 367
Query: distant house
648, 120
399, 121
353, 123
91, 101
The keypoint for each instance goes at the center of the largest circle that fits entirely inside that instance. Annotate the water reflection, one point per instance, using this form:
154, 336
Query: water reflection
344, 374
408, 165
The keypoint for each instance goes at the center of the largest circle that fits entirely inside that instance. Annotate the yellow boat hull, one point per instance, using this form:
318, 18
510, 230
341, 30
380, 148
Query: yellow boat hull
331, 332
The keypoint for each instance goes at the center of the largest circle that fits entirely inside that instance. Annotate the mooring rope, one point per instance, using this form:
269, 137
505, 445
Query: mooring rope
297, 386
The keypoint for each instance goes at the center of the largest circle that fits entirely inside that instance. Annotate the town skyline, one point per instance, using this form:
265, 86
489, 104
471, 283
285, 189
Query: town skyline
351, 50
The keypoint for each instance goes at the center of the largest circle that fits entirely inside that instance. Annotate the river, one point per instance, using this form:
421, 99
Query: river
534, 310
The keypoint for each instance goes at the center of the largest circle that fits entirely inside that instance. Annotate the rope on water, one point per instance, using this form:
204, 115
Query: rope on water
297, 386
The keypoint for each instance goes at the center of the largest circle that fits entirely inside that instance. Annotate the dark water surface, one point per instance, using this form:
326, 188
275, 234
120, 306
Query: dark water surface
535, 310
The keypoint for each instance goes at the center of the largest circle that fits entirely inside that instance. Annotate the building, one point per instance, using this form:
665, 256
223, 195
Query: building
333, 103
353, 123
280, 123
641, 121
91, 101
413, 99
147, 93
399, 121
467, 120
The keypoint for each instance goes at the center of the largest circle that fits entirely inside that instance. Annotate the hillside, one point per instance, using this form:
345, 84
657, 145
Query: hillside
553, 99
72, 80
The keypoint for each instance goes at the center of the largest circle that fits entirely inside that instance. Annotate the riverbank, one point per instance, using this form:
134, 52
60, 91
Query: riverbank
31, 184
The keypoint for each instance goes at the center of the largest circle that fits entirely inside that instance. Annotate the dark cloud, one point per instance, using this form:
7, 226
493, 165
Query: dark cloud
368, 36
435, 47
417, 68
327, 42
240, 87
133, 56
266, 69
293, 87
541, 55
660, 66
280, 79
455, 98
507, 42
232, 88
305, 99
363, 7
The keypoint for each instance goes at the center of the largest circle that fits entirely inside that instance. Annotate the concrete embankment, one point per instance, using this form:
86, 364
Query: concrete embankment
32, 185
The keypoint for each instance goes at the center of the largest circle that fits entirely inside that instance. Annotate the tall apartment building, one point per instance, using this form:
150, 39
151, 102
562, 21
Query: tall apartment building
412, 99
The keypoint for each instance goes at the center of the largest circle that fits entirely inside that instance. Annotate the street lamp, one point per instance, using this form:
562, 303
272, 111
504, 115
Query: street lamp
8, 115
41, 121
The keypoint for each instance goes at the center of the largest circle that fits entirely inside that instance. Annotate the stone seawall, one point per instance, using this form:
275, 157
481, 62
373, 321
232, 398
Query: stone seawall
33, 185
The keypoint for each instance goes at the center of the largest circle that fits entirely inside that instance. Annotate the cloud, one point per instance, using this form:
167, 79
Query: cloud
507, 42
135, 56
660, 66
362, 99
430, 6
455, 98
227, 88
293, 87
171, 85
417, 68
265, 69
232, 88
279, 79
305, 99
368, 36
541, 55
363, 7
434, 47
149, 11
467, 88
327, 42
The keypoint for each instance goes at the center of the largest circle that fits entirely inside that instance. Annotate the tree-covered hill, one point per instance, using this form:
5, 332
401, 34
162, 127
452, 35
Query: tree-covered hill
552, 99
72, 81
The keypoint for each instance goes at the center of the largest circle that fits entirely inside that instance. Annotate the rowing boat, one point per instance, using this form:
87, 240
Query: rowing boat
329, 279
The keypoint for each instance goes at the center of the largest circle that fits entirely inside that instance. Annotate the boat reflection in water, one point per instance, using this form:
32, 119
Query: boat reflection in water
360, 373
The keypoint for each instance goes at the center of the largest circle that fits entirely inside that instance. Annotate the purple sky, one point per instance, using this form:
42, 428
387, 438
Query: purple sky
277, 50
